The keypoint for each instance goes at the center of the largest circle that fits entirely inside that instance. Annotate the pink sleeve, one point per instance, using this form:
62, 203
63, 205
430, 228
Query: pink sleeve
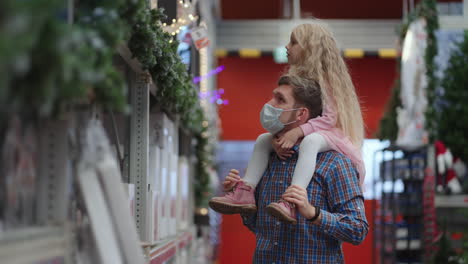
326, 121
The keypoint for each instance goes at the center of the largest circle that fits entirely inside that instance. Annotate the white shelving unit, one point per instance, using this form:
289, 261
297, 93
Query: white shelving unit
35, 245
119, 193
451, 201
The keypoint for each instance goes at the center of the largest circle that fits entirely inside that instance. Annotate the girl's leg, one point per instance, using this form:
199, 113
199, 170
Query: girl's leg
305, 167
242, 199
259, 160
310, 146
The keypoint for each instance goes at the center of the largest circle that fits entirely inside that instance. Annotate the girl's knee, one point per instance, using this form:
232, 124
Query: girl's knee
264, 139
312, 141
313, 138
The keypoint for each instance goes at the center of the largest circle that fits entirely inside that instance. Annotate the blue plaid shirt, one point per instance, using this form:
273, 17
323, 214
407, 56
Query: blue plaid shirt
334, 188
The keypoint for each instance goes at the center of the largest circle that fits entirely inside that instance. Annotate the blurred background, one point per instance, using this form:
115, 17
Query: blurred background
120, 119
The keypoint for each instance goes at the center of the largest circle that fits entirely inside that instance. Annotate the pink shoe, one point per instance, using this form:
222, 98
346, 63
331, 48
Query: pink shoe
239, 200
284, 211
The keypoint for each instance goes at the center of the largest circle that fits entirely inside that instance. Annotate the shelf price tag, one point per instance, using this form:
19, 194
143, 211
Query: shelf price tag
200, 37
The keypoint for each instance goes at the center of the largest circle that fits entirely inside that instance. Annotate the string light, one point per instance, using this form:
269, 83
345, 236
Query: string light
203, 211
185, 17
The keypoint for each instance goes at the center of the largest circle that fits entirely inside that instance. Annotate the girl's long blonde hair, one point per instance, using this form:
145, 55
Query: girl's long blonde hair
322, 61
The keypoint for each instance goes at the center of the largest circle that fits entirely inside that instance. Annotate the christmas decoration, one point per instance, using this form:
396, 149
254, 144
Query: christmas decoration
427, 10
445, 172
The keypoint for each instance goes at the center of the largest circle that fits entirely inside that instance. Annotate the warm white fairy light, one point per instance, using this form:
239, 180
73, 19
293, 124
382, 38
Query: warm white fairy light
204, 102
186, 10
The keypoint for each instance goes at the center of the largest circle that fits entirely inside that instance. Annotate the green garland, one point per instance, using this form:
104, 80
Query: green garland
157, 51
48, 64
388, 129
429, 11
452, 120
202, 181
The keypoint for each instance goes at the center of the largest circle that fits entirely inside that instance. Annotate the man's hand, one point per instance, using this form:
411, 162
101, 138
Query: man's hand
298, 196
231, 180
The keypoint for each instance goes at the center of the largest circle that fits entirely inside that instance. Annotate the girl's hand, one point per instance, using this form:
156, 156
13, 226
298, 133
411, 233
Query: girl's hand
231, 180
290, 138
282, 153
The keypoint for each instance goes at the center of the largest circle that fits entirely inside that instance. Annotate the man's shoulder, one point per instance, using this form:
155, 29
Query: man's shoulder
331, 159
332, 156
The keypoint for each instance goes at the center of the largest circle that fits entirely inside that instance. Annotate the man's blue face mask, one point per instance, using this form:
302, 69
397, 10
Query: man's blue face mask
269, 117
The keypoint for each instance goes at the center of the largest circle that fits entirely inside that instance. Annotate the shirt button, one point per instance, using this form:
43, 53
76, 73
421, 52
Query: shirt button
276, 243
277, 223
284, 162
282, 182
359, 208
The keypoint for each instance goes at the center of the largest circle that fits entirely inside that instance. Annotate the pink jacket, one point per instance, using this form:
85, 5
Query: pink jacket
325, 125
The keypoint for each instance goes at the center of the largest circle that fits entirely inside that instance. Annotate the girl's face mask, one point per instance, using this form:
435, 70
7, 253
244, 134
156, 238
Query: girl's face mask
269, 117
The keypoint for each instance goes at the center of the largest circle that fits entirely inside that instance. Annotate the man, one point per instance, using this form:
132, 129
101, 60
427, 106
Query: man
330, 210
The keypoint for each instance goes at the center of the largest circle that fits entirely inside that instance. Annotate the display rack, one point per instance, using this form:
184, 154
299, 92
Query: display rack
36, 245
399, 214
108, 187
451, 201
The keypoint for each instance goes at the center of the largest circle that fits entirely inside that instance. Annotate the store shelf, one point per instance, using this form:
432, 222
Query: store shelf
126, 54
451, 201
167, 249
34, 245
136, 66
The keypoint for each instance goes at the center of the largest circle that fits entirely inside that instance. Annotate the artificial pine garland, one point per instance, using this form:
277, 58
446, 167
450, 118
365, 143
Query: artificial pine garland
157, 52
48, 64
452, 120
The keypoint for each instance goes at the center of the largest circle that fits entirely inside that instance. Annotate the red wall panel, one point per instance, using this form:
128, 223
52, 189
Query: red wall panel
248, 9
248, 84
330, 9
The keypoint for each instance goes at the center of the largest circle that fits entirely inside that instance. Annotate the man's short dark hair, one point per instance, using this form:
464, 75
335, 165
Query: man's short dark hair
306, 92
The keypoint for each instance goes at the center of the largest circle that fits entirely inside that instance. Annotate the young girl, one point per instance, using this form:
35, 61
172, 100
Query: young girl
312, 54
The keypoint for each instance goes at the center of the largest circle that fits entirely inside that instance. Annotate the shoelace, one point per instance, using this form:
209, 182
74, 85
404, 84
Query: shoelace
231, 192
288, 204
